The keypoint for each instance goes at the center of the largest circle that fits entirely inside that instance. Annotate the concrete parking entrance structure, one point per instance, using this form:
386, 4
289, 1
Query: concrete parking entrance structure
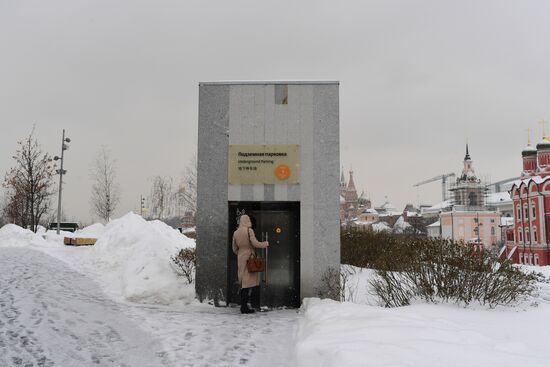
279, 222
270, 149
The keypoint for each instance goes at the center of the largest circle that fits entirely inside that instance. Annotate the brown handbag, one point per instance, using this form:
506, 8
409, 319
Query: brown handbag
254, 264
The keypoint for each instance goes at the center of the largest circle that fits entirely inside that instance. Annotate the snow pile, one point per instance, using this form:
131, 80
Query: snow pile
346, 334
356, 284
93, 231
400, 225
133, 257
55, 239
14, 236
544, 288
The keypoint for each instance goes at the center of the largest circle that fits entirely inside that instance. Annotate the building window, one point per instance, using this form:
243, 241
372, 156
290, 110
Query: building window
536, 259
281, 94
520, 236
519, 213
492, 221
530, 259
521, 258
534, 212
526, 211
472, 198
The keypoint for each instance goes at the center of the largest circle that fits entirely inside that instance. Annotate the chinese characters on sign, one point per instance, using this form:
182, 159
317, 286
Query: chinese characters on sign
267, 164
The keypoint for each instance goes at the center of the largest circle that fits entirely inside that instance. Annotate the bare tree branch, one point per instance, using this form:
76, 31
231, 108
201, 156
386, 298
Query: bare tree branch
29, 184
188, 187
105, 190
161, 198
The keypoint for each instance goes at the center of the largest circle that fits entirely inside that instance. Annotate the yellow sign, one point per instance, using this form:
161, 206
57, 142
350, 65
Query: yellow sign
267, 164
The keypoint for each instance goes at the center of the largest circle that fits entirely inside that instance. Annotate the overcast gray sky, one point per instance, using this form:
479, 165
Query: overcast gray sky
418, 78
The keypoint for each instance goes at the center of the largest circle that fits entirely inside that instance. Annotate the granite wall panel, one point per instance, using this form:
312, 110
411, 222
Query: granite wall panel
249, 113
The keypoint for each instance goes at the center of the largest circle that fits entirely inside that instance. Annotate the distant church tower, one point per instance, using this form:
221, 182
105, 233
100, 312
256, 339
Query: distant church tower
351, 191
529, 155
348, 197
342, 181
468, 190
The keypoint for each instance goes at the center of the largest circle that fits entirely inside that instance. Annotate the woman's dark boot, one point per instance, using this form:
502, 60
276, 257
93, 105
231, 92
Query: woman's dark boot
255, 298
244, 301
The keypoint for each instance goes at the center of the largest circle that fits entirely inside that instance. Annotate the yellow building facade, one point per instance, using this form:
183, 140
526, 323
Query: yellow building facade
480, 227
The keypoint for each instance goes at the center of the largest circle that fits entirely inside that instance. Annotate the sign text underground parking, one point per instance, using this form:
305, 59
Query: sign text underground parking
267, 164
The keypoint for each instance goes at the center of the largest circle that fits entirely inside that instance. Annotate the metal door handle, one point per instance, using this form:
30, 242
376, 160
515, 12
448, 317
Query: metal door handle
266, 256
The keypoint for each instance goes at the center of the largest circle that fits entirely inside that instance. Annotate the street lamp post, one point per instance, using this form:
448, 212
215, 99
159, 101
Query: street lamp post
61, 172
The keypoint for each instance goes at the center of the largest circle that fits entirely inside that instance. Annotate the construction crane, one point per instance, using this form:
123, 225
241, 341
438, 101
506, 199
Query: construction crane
498, 185
443, 179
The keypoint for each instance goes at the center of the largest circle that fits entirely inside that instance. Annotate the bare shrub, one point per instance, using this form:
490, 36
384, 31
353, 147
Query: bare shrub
348, 289
186, 263
338, 285
436, 270
329, 285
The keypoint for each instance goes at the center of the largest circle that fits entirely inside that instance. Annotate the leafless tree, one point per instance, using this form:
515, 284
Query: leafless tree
14, 207
4, 200
29, 184
161, 197
188, 188
105, 190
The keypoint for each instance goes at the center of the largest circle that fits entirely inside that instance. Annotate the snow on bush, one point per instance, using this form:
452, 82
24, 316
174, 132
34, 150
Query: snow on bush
381, 227
410, 268
135, 255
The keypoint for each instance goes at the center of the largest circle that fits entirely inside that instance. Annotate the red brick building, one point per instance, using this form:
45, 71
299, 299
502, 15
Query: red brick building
529, 241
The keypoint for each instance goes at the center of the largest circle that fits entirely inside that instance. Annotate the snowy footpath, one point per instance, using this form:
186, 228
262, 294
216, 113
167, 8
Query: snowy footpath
51, 315
122, 303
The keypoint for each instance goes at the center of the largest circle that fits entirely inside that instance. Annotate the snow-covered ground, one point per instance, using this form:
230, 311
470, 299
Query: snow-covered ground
120, 303
51, 315
364, 334
347, 334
